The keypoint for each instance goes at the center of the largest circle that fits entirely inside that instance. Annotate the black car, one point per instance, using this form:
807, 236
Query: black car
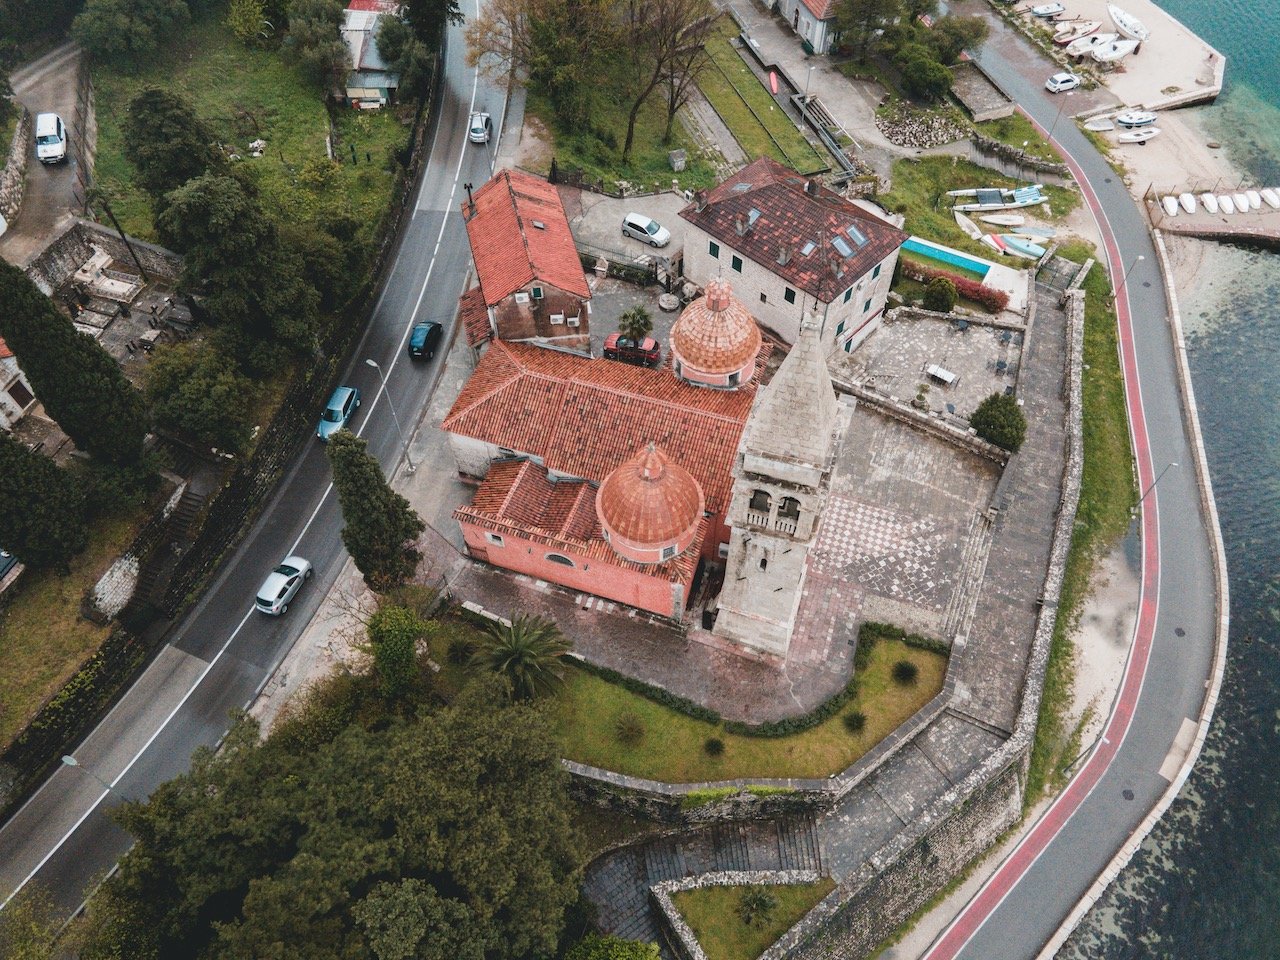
424, 340
7, 562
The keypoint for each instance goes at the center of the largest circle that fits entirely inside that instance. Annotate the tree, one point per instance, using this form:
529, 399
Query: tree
525, 654
926, 78
245, 19
635, 323
860, 19
595, 947
381, 527
940, 295
42, 508
195, 390
29, 924
680, 77
999, 420
393, 641
952, 35
166, 142
756, 906
429, 18
128, 30
78, 382
406, 54
315, 32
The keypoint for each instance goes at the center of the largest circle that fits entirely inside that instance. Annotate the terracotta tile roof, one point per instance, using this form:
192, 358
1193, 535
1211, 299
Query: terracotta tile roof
584, 417
509, 248
475, 317
649, 500
779, 216
375, 6
822, 9
518, 498
716, 333
5, 352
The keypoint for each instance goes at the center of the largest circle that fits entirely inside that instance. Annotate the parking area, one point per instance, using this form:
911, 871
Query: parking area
596, 221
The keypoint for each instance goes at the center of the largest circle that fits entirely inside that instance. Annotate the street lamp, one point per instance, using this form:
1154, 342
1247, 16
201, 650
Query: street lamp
1116, 290
411, 466
73, 762
807, 77
1054, 126
1153, 483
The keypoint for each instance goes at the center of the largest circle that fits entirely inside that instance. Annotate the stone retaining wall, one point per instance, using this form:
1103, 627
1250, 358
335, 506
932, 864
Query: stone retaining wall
14, 177
75, 245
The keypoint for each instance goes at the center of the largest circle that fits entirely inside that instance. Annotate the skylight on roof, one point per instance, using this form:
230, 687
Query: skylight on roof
856, 235
753, 216
808, 248
841, 246
741, 187
539, 224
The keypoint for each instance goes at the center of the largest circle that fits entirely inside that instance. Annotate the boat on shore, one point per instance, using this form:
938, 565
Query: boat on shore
1241, 201
994, 198
1074, 31
1004, 219
1188, 202
1046, 10
1210, 202
1254, 198
1135, 118
1085, 45
1170, 205
1114, 51
1226, 204
1128, 24
971, 229
1270, 198
1100, 125
1020, 246
1139, 136
1042, 233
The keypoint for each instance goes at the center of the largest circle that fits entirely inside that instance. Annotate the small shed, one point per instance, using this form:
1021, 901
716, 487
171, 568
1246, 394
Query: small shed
982, 98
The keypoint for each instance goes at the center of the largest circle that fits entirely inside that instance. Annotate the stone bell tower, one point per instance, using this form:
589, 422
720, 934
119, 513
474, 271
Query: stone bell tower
780, 483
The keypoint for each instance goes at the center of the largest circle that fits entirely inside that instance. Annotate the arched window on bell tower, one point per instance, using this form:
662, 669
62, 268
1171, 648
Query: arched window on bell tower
759, 507
788, 515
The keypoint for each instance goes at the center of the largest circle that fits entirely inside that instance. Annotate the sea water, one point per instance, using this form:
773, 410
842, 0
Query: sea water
1206, 883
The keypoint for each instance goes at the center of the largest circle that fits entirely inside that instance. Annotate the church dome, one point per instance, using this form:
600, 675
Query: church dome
649, 507
716, 340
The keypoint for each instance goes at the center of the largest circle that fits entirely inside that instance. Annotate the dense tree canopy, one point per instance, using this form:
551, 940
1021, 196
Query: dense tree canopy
166, 142
447, 838
42, 508
1001, 421
196, 391
315, 32
78, 382
128, 30
429, 17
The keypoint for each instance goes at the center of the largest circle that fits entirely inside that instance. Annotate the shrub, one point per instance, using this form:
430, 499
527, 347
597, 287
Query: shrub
855, 721
714, 746
460, 651
1000, 420
940, 295
991, 299
926, 78
756, 905
629, 729
905, 673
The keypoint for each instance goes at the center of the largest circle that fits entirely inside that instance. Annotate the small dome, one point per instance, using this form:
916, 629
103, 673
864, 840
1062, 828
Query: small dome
715, 336
649, 507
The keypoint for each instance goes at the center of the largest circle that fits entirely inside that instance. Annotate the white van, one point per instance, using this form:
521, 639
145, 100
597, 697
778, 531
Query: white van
51, 138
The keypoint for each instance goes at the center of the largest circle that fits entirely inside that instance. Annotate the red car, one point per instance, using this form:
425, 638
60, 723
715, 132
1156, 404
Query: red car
644, 353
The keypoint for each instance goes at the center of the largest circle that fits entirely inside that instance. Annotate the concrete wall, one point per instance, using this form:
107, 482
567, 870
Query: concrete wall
521, 317
13, 179
68, 251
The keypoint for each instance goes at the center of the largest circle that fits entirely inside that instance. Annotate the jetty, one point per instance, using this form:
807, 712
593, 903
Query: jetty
1260, 227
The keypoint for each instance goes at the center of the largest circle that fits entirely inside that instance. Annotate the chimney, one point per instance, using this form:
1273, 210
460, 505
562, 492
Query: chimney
700, 201
837, 267
471, 204
811, 187
740, 224
784, 254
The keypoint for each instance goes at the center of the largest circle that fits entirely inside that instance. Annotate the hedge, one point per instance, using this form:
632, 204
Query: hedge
994, 300
650, 692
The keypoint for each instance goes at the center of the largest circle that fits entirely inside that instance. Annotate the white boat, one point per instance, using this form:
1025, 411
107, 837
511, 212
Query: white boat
1136, 118
1128, 24
1226, 204
970, 228
1047, 10
1188, 202
1170, 205
1042, 233
1241, 201
1085, 45
1254, 198
1114, 51
1004, 219
1210, 202
992, 241
1101, 125
1270, 198
1071, 32
993, 198
1141, 135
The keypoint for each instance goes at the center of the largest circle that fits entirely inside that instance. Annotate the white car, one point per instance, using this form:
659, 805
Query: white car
480, 128
282, 585
1061, 82
645, 229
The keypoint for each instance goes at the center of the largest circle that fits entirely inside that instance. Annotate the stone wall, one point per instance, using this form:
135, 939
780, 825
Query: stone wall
113, 591
70, 249
14, 177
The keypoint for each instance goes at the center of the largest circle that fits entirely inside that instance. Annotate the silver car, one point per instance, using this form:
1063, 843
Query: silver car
645, 229
282, 585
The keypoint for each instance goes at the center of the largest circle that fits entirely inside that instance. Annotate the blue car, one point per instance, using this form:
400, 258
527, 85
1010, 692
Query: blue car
7, 562
337, 412
424, 340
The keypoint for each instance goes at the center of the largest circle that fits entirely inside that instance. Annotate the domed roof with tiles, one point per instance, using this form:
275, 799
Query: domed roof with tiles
649, 503
715, 334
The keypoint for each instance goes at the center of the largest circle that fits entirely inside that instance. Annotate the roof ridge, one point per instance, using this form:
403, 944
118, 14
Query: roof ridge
515, 208
663, 401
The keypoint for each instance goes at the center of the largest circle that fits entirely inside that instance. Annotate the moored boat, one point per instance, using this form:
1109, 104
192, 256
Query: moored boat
1210, 202
1188, 202
1114, 51
1226, 204
1170, 205
1141, 135
1128, 24
1136, 118
1270, 198
1254, 198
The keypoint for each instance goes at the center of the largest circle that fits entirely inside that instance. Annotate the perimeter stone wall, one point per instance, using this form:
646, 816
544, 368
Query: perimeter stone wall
13, 179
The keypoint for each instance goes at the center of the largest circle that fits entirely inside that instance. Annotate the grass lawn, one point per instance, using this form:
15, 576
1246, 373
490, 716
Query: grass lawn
749, 110
912, 290
245, 94
671, 749
919, 192
43, 639
1015, 130
1106, 494
713, 915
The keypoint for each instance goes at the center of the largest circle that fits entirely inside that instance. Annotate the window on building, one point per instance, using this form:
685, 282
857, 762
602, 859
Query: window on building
668, 553
848, 294
736, 263
789, 295
537, 293
713, 248
763, 298
839, 328
494, 539
848, 345
789, 509
866, 306
558, 558
760, 502
735, 379
764, 563
876, 272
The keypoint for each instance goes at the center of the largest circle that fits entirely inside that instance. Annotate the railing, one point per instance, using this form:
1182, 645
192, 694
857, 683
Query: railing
759, 519
785, 525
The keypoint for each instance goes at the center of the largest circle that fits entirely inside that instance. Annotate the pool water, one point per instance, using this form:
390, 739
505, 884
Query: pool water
945, 255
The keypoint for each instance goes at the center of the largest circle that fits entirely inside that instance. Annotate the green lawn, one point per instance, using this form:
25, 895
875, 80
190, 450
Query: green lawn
712, 913
245, 94
1106, 495
43, 638
671, 748
1016, 130
749, 110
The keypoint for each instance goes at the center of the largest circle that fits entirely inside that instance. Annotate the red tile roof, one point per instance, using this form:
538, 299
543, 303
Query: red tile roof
475, 317
779, 215
375, 6
509, 247
518, 498
649, 500
822, 9
584, 417
5, 352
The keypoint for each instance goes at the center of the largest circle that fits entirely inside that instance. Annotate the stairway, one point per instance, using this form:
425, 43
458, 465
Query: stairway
961, 608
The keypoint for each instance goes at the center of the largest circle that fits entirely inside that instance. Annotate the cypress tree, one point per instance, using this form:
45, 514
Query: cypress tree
42, 508
78, 382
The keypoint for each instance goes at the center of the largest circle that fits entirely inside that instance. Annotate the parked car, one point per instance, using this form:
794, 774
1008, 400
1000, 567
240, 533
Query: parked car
645, 229
51, 138
7, 562
282, 585
1061, 82
344, 402
424, 340
644, 353
480, 128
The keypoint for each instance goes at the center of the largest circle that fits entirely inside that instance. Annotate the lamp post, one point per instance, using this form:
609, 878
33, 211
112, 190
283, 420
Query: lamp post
71, 761
1058, 117
1153, 484
1115, 292
411, 466
807, 77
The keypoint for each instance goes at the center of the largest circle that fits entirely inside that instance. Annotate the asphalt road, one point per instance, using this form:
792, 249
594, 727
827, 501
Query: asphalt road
223, 651
1032, 892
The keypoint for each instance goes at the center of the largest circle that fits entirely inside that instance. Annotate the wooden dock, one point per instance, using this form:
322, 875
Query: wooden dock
1259, 228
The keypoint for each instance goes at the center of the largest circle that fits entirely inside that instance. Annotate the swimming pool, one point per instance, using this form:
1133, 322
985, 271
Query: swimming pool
945, 255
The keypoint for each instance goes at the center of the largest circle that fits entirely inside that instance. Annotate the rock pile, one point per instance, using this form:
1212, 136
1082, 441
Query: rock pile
908, 126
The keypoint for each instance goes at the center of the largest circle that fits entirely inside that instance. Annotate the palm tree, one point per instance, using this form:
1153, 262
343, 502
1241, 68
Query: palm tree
636, 323
526, 654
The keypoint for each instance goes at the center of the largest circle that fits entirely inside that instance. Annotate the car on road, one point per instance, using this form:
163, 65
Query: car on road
51, 138
424, 340
282, 585
643, 353
480, 128
7, 562
1061, 82
645, 229
344, 402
